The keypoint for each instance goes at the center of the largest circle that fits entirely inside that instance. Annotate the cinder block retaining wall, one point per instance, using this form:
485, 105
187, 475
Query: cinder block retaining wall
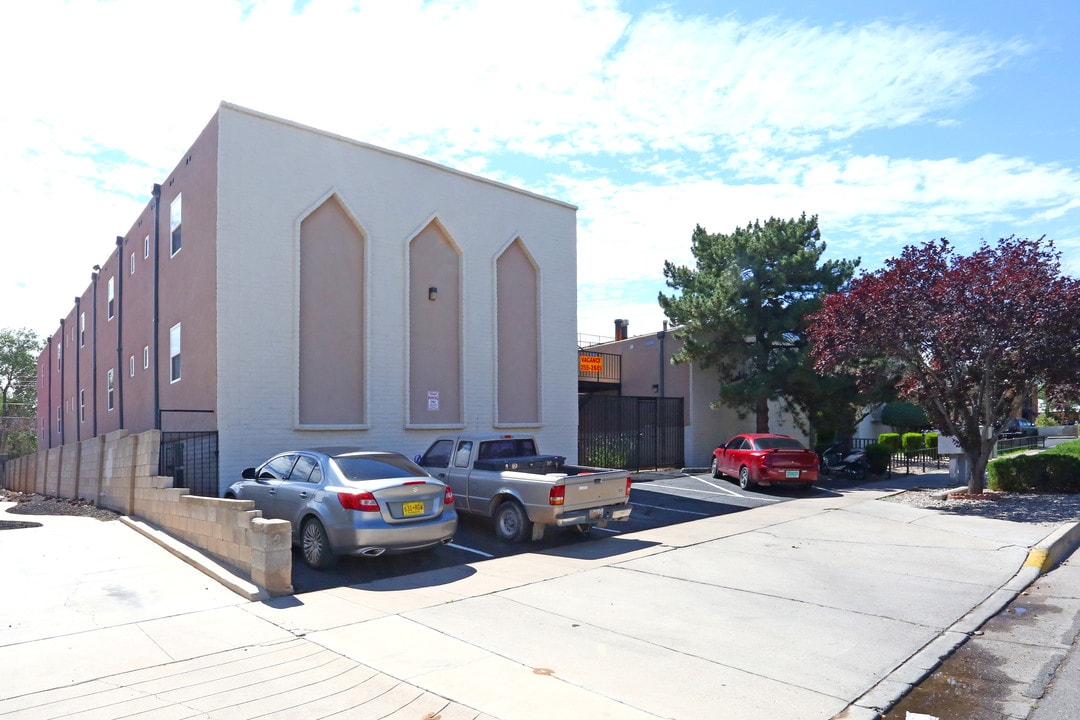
118, 471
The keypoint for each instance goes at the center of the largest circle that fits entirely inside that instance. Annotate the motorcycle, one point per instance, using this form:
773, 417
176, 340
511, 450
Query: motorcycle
838, 462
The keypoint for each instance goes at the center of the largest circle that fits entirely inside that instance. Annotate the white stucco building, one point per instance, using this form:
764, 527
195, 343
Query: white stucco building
287, 287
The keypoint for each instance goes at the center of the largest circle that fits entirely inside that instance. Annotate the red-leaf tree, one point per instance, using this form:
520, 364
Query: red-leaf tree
967, 334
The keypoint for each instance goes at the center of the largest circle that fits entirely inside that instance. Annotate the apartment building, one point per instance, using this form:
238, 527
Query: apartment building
287, 287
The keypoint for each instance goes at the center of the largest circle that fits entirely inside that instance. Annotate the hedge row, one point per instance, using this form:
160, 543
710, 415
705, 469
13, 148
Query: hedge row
1056, 470
908, 442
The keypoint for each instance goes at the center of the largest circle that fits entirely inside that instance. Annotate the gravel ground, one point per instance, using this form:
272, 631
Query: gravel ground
34, 504
1017, 507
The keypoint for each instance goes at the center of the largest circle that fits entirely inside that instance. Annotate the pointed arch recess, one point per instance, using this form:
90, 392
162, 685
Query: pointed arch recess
517, 346
435, 341
332, 318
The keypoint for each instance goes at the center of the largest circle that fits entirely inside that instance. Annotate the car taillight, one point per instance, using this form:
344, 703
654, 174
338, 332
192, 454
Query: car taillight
557, 495
448, 496
629, 480
362, 501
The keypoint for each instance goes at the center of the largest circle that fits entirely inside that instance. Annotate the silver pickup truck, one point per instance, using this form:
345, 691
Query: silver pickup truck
505, 478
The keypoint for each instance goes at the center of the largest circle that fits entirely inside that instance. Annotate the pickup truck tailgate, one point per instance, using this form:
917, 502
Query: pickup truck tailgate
593, 489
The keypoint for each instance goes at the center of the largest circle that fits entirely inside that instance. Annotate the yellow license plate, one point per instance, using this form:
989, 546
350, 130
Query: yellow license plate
412, 508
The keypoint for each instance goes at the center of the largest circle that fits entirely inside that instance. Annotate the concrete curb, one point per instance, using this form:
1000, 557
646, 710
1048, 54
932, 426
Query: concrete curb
1051, 550
219, 572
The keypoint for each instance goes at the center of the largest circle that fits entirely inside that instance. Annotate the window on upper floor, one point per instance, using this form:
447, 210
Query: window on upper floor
131, 366
131, 270
82, 405
145, 357
174, 353
174, 224
146, 247
82, 329
111, 295
110, 383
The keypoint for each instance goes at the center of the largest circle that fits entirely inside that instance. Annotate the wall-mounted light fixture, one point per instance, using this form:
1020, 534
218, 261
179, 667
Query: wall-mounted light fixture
97, 268
432, 293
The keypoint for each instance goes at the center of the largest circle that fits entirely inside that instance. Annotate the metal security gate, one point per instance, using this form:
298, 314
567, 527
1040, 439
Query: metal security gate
191, 460
630, 432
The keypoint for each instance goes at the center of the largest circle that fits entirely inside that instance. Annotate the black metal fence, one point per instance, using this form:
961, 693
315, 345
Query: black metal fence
929, 458
1030, 442
630, 432
921, 460
191, 460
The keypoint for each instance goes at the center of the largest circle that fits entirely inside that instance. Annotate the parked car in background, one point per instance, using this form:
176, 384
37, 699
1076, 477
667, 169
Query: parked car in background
1018, 427
766, 459
345, 501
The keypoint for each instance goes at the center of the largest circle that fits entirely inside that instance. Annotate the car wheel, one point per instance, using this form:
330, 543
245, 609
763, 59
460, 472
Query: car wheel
744, 478
511, 522
230, 496
715, 469
314, 545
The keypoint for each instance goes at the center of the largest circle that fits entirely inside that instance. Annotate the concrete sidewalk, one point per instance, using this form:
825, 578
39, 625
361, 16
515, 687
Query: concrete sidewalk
824, 606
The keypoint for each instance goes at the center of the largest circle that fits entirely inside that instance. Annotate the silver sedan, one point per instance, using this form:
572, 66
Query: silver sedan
344, 501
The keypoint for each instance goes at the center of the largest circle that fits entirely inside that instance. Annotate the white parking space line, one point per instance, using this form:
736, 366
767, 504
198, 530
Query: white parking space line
661, 507
469, 549
722, 491
722, 488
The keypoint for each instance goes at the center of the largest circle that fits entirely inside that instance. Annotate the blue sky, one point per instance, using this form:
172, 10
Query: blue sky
894, 122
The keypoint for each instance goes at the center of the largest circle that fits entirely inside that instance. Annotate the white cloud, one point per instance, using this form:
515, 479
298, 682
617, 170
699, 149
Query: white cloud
649, 123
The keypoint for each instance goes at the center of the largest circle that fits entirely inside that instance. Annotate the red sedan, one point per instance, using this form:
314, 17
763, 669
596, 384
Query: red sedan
765, 459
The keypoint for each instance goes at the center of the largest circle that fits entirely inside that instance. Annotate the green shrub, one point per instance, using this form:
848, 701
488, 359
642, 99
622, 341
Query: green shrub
930, 443
1045, 472
890, 440
912, 442
1066, 448
877, 458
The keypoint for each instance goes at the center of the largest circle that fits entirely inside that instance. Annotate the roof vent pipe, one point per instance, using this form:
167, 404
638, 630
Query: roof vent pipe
621, 329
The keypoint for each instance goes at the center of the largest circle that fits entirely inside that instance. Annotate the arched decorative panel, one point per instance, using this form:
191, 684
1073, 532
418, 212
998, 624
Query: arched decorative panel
332, 281
434, 329
518, 338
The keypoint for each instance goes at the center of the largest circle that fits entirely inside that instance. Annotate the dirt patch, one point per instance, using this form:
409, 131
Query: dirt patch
34, 504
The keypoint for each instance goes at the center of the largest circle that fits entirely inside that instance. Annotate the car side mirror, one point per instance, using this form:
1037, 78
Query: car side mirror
248, 474
416, 459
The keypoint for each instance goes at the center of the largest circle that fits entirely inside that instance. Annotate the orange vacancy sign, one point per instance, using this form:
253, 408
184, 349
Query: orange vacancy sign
590, 364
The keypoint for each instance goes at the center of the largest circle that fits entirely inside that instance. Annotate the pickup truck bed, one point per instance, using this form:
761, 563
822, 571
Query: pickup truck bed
526, 493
